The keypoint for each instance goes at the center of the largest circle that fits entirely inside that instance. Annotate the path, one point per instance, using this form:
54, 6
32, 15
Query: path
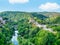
41, 26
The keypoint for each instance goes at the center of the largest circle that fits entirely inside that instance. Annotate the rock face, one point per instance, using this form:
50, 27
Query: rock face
41, 26
2, 21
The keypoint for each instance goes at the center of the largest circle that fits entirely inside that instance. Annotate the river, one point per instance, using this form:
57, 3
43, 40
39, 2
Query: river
14, 38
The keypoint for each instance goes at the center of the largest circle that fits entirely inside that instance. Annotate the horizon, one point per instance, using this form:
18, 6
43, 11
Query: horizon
30, 11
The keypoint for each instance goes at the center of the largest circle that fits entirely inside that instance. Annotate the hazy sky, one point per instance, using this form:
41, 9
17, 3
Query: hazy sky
30, 5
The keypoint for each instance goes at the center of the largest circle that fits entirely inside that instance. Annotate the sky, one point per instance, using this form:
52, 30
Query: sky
30, 5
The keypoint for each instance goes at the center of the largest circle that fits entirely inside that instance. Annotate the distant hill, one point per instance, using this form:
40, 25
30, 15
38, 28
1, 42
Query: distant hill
40, 16
17, 15
50, 14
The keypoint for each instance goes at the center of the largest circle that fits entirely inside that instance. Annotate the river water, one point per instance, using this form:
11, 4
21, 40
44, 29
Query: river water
14, 38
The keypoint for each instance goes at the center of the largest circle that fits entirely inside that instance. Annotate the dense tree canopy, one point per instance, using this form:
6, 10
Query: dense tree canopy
29, 33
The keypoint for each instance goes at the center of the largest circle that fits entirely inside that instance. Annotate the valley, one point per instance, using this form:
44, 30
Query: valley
29, 28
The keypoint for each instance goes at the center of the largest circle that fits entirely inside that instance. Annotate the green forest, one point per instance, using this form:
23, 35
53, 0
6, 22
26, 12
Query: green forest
34, 28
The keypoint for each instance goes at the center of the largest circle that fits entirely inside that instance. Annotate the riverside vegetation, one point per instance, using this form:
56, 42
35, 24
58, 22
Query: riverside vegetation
34, 28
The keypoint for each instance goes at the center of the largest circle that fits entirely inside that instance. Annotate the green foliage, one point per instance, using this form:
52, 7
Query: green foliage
44, 38
6, 32
30, 34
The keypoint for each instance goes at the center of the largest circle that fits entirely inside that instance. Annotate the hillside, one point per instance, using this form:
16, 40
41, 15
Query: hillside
29, 28
40, 15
